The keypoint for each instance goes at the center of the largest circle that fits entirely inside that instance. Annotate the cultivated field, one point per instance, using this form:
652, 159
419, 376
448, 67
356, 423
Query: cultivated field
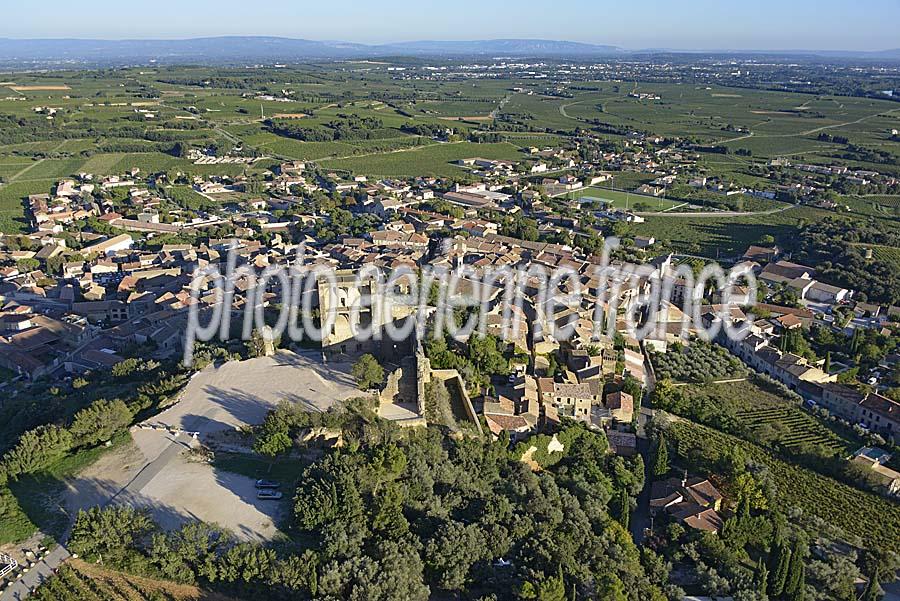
869, 518
104, 135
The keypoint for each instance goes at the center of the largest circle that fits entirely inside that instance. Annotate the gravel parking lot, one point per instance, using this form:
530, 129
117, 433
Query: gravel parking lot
159, 474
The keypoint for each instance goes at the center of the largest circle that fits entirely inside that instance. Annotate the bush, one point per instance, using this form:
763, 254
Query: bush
112, 530
99, 422
37, 449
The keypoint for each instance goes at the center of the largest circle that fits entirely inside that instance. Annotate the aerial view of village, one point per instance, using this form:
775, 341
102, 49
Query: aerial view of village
465, 320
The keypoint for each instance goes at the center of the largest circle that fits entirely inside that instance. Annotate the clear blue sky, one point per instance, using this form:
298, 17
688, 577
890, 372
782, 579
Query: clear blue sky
686, 24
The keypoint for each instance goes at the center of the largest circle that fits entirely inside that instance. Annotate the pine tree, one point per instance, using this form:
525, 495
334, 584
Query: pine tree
661, 456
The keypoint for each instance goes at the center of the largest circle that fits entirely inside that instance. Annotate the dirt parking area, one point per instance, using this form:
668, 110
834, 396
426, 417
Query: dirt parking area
241, 393
158, 472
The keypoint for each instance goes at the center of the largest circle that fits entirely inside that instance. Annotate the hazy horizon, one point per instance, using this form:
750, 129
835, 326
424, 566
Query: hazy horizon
450, 39
704, 25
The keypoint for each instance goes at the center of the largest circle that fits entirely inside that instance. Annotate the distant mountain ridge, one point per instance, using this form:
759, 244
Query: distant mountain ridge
266, 49
511, 47
259, 48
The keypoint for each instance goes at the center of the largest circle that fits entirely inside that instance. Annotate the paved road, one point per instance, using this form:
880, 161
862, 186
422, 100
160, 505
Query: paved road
153, 468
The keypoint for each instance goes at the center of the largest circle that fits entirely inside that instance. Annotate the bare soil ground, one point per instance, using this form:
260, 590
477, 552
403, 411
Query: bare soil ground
162, 472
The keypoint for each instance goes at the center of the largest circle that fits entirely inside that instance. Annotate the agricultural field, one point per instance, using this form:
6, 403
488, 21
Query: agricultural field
726, 237
801, 429
698, 362
436, 160
885, 208
625, 200
868, 518
202, 106
187, 197
888, 254
81, 581
12, 207
765, 416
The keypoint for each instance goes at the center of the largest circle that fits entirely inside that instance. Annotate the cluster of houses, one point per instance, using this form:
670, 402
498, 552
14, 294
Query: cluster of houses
121, 293
761, 351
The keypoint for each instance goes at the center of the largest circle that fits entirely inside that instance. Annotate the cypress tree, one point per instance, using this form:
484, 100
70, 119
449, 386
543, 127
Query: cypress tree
743, 514
794, 584
661, 456
762, 577
871, 592
624, 508
827, 367
799, 592
781, 561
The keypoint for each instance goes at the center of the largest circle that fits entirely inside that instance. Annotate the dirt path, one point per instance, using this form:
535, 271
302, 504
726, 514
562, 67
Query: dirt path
563, 107
493, 114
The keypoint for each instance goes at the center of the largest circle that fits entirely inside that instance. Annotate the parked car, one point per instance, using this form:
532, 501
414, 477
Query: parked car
269, 495
262, 484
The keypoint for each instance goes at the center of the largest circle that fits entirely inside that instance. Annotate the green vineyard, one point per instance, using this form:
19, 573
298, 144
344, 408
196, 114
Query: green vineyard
874, 520
756, 412
801, 429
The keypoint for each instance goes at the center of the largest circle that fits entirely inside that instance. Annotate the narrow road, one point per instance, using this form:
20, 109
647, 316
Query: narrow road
16, 176
563, 107
640, 517
45, 568
493, 114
